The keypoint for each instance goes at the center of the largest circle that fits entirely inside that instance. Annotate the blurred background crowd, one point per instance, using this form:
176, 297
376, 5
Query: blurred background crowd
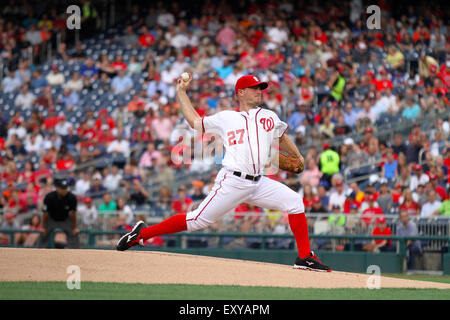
368, 108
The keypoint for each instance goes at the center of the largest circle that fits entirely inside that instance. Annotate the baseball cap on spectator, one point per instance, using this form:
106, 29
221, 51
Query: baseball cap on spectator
350, 194
97, 176
417, 167
368, 130
54, 67
301, 129
10, 215
381, 220
398, 186
370, 197
370, 73
324, 184
61, 183
338, 183
197, 183
316, 199
87, 200
433, 177
248, 81
373, 178
103, 111
325, 146
353, 206
348, 141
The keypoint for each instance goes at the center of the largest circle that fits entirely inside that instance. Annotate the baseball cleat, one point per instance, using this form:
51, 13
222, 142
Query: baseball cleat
311, 262
131, 238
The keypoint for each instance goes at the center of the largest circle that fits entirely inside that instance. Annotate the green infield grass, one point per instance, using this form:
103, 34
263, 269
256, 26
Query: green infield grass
419, 277
125, 291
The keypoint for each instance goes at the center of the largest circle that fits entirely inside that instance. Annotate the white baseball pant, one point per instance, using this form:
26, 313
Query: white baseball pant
229, 191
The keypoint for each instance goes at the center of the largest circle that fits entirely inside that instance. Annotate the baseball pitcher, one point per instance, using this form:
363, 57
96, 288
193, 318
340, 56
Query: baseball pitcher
247, 136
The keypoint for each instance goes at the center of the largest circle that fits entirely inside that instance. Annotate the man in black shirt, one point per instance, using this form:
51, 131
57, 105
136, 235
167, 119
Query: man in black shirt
59, 211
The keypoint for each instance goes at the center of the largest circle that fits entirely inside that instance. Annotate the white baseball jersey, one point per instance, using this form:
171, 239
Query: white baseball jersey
247, 137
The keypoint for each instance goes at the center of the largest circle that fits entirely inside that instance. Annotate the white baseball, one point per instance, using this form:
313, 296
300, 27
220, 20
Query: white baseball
185, 76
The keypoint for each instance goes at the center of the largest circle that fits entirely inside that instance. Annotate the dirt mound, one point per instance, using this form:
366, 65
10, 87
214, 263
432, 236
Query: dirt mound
162, 267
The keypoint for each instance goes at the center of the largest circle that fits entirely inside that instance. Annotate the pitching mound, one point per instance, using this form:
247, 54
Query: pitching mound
161, 267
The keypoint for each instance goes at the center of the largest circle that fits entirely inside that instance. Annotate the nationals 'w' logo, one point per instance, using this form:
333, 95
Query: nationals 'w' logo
267, 123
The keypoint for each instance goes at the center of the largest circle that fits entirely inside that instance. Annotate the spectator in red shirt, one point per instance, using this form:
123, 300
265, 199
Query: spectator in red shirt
307, 197
146, 39
65, 162
183, 203
51, 121
42, 173
350, 199
119, 64
87, 134
104, 119
104, 136
378, 245
369, 213
384, 82
408, 204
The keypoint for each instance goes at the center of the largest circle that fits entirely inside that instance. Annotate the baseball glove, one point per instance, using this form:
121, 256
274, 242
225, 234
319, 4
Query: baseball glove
290, 163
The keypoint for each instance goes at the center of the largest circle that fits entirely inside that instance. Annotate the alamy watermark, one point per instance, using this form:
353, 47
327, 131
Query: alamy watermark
74, 19
74, 278
374, 281
373, 22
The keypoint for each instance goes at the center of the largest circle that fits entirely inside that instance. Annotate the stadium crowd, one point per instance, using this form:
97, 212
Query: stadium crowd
333, 81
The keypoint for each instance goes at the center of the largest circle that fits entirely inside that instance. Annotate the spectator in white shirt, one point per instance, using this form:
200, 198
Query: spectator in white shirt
119, 146
33, 143
62, 127
33, 35
83, 184
277, 35
18, 129
419, 177
88, 212
11, 82
75, 83
165, 18
25, 98
431, 205
112, 179
122, 82
55, 78
337, 197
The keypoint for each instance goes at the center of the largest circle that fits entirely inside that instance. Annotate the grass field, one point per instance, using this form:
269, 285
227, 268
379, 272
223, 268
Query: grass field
115, 291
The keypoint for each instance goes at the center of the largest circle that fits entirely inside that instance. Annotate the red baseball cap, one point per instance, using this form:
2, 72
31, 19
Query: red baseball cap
248, 81
417, 167
368, 129
370, 197
316, 199
88, 200
325, 145
381, 220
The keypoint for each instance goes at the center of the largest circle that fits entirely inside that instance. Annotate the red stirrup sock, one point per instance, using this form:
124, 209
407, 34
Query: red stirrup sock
299, 227
176, 223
